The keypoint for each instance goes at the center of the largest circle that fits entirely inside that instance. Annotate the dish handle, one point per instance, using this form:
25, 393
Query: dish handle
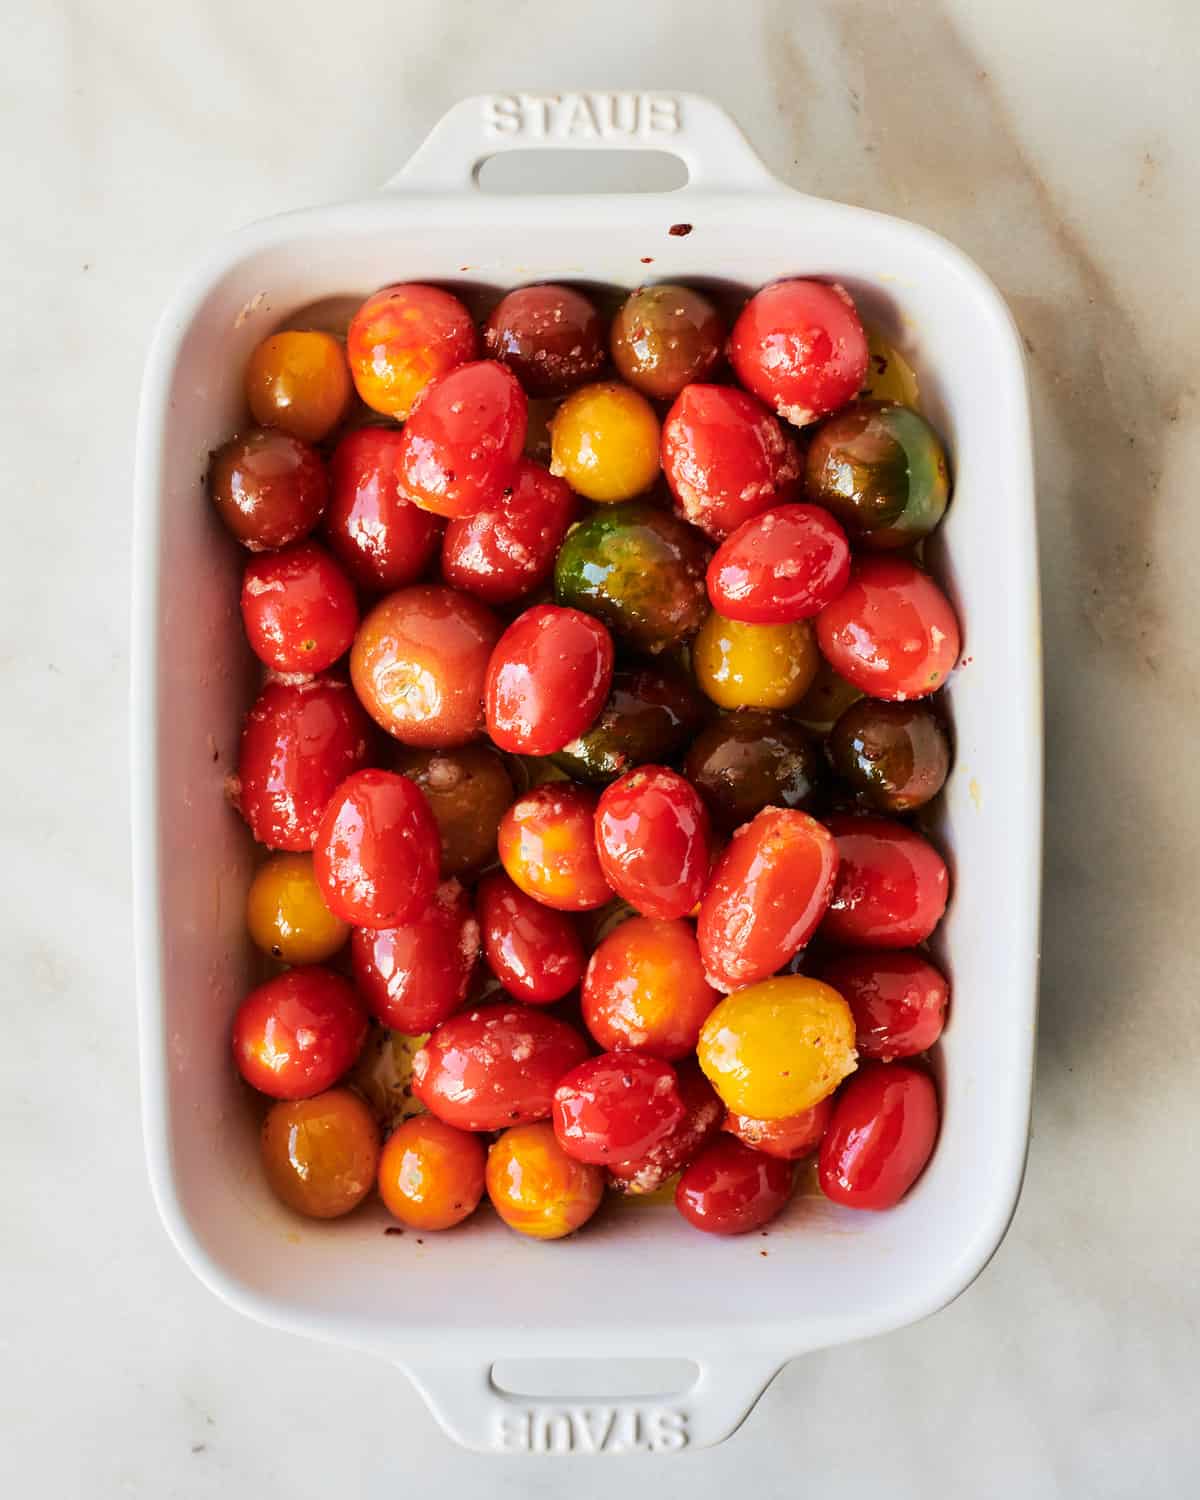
700, 132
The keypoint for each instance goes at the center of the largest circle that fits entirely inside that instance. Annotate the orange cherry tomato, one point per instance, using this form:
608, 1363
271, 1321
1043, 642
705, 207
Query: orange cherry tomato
401, 338
299, 382
320, 1154
645, 989
431, 1174
295, 1035
547, 844
536, 1188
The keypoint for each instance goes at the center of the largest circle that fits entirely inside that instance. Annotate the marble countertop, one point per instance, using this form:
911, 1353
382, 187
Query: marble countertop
1059, 145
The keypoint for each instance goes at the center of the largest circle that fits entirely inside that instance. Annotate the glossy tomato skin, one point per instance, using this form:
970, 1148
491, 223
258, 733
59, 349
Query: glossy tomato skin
730, 1189
298, 609
726, 458
551, 338
884, 1126
401, 338
654, 841
495, 1066
666, 337
898, 1000
298, 742
536, 1188
460, 447
286, 916
616, 1108
268, 487
768, 894
547, 680
506, 550
800, 347
891, 632
534, 951
298, 381
377, 850
791, 1138
320, 1154
785, 564
468, 790
414, 975
431, 1174
645, 989
892, 884
295, 1035
746, 761
547, 844
381, 538
895, 756
699, 1125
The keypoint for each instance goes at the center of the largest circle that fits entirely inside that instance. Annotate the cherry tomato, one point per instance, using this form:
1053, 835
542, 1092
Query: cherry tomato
298, 742
298, 608
604, 442
431, 1174
892, 632
269, 488
884, 1126
468, 790
754, 666
726, 458
547, 680
286, 915
898, 1000
747, 761
295, 1035
730, 1189
381, 538
785, 564
536, 1188
767, 895
494, 1066
547, 843
654, 841
896, 756
320, 1155
534, 951
377, 850
401, 338
799, 346
645, 989
460, 447
790, 1138
414, 975
300, 383
617, 1107
505, 551
827, 699
419, 662
892, 884
550, 337
666, 337
698, 1126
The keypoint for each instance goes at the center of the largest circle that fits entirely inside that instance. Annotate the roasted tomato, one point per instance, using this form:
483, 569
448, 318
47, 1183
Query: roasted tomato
268, 487
730, 1189
468, 790
377, 850
505, 551
895, 756
653, 839
617, 1107
460, 447
550, 337
401, 338
785, 564
380, 537
547, 844
536, 1188
295, 1035
534, 951
892, 885
665, 337
299, 382
747, 761
800, 347
414, 975
882, 1134
651, 714
791, 1138
645, 989
754, 666
431, 1173
298, 608
320, 1154
898, 1000
286, 915
604, 442
547, 680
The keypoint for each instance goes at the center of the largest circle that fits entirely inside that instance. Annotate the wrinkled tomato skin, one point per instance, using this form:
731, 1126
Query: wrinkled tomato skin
892, 884
616, 1108
299, 741
547, 680
768, 894
791, 1138
413, 976
654, 841
786, 564
699, 1125
401, 338
460, 447
298, 609
495, 1066
382, 539
547, 844
800, 347
884, 1127
730, 1189
377, 850
645, 989
534, 951
295, 1035
898, 1001
505, 551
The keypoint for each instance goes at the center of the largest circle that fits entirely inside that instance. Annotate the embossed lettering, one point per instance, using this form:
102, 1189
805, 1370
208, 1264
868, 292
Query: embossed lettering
582, 118
538, 111
593, 1428
604, 1429
502, 115
619, 113
553, 1432
662, 115
670, 1431
513, 1431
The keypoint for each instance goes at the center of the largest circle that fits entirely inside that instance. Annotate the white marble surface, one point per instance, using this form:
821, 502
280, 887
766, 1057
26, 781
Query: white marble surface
1059, 145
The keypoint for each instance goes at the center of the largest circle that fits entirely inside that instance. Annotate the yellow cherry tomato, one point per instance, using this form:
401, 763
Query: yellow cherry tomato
536, 1188
604, 442
889, 375
754, 666
779, 1047
431, 1173
321, 1154
287, 915
300, 383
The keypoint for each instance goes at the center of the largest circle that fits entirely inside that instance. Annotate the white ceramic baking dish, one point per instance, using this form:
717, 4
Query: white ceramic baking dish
636, 1286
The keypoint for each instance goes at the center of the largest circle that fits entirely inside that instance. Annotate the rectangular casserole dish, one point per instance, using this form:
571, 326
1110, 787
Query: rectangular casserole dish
637, 1285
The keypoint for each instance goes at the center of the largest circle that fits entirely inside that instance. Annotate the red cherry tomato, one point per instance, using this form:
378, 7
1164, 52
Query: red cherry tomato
800, 347
645, 989
884, 1126
898, 1001
459, 449
496, 1066
892, 884
401, 338
785, 564
506, 550
791, 1138
269, 488
534, 951
699, 1125
382, 539
891, 632
378, 850
654, 841
726, 458
415, 975
768, 893
296, 1035
547, 680
298, 608
547, 843
298, 742
617, 1108
730, 1189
